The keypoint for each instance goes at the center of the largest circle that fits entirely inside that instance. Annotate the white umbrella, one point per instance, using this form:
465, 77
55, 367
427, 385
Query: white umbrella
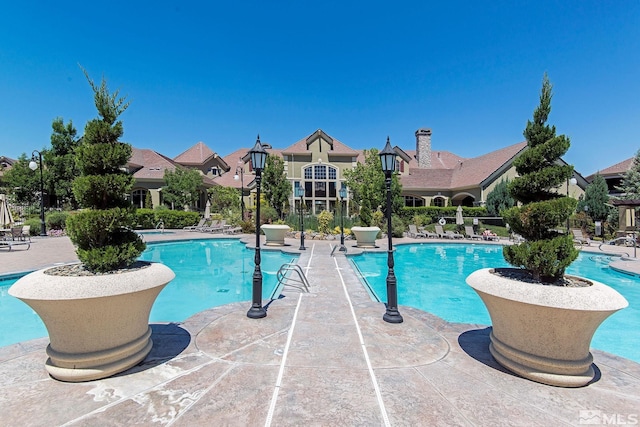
207, 210
459, 219
6, 218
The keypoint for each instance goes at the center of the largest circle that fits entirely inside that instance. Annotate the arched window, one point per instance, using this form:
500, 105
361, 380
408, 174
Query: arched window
138, 197
438, 201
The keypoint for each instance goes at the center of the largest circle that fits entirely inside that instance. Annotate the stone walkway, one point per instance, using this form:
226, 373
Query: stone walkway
317, 359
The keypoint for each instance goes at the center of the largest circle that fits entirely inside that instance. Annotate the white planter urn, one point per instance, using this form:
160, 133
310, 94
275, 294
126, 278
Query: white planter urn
98, 325
275, 233
365, 236
543, 332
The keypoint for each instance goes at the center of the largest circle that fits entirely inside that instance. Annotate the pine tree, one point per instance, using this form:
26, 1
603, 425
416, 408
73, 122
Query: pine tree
499, 199
596, 197
61, 161
545, 252
103, 231
630, 185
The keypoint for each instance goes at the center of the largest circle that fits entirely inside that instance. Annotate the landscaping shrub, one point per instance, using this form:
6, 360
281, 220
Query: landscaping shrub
56, 220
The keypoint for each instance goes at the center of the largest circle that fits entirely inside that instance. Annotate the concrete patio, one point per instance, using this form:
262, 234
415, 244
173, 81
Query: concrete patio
323, 358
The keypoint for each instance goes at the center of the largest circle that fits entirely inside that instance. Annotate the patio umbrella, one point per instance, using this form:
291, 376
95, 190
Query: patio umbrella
5, 213
459, 219
207, 210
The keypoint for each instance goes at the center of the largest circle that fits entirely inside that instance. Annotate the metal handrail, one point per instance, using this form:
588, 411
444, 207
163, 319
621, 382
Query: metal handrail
160, 225
285, 278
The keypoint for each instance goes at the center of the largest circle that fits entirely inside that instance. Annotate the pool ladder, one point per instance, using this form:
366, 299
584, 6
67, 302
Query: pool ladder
290, 274
160, 226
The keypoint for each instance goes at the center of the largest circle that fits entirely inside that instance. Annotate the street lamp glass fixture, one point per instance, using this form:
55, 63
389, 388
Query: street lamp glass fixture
388, 158
258, 156
392, 315
258, 159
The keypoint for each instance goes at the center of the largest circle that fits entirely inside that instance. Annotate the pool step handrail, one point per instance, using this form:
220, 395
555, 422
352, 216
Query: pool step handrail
160, 226
286, 277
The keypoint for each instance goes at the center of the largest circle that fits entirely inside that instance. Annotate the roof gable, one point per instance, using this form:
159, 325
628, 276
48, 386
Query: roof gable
199, 154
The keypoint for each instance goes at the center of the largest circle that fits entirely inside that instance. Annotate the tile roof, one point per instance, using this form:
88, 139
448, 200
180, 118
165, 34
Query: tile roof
471, 172
196, 155
617, 169
151, 163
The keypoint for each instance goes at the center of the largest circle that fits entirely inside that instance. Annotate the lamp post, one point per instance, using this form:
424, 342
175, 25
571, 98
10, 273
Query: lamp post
240, 175
571, 181
258, 159
343, 195
33, 166
392, 315
300, 193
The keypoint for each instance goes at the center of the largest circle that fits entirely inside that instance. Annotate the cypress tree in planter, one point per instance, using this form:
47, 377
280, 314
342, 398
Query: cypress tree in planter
97, 312
103, 232
545, 253
541, 331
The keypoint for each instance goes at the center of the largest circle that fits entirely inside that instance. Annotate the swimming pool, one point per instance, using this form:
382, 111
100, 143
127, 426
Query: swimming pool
209, 273
431, 277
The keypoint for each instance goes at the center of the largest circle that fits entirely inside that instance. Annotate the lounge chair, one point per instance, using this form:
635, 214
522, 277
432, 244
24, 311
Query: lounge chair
470, 234
453, 235
197, 226
428, 233
16, 233
10, 244
440, 232
215, 227
413, 232
578, 237
490, 235
232, 230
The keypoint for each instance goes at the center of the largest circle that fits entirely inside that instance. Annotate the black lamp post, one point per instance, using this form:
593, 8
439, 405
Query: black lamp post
571, 181
343, 195
258, 159
33, 166
240, 175
392, 315
300, 193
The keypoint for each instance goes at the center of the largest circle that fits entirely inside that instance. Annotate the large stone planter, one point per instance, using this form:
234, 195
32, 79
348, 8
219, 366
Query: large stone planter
543, 332
98, 325
275, 233
365, 236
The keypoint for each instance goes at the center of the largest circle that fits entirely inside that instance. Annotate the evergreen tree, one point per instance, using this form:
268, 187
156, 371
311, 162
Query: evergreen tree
182, 188
499, 199
596, 196
366, 182
630, 185
545, 252
60, 161
22, 182
103, 231
275, 184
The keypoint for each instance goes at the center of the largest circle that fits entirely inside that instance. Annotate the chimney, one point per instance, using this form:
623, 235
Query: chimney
423, 148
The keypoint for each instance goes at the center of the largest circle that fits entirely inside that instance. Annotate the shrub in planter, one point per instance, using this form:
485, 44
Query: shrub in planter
545, 252
103, 231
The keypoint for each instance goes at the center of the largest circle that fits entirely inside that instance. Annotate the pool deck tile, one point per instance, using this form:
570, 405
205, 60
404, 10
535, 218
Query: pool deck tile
323, 358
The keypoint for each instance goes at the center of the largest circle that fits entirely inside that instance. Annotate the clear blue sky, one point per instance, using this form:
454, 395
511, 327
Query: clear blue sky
222, 72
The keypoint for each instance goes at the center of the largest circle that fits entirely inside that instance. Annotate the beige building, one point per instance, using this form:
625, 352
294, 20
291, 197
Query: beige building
318, 161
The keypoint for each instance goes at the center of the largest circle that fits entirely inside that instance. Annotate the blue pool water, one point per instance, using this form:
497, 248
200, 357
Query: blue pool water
431, 277
209, 273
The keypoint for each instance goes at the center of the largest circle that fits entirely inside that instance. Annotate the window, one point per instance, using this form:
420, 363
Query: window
321, 189
438, 201
308, 173
332, 173
138, 198
320, 172
413, 201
